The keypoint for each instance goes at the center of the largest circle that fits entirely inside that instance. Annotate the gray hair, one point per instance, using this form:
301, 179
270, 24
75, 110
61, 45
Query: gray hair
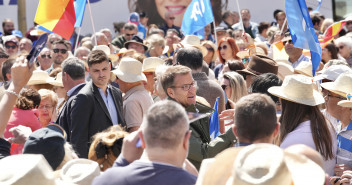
82, 48
165, 125
346, 40
99, 36
73, 67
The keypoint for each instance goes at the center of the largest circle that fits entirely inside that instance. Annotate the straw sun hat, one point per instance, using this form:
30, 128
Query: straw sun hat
346, 103
341, 86
264, 164
41, 77
130, 70
151, 63
299, 89
192, 41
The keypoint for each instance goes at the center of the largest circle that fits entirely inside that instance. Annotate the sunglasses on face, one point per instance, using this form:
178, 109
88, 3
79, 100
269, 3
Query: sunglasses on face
4, 56
224, 47
63, 51
341, 47
245, 60
289, 41
45, 56
172, 18
210, 49
12, 46
224, 87
349, 23
129, 35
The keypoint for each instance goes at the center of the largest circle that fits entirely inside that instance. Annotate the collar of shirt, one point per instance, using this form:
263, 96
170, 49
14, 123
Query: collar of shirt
69, 92
300, 59
132, 90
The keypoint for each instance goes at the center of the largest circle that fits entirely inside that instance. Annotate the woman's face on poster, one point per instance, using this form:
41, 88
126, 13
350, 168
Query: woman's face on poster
176, 7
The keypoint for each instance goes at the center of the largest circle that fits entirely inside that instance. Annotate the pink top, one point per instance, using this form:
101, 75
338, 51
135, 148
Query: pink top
28, 118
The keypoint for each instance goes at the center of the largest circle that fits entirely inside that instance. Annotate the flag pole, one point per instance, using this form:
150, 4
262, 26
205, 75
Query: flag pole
79, 32
216, 38
239, 12
283, 26
91, 19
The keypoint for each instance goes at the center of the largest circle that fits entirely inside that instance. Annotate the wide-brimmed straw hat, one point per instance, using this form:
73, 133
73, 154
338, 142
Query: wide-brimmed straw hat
191, 41
151, 63
245, 54
260, 64
346, 103
299, 89
106, 49
130, 70
26, 169
138, 40
284, 70
40, 77
58, 80
341, 86
332, 72
80, 171
305, 68
263, 164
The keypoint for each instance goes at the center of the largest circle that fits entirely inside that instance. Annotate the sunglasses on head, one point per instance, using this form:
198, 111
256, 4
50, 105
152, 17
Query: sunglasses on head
45, 56
224, 47
289, 41
63, 51
12, 47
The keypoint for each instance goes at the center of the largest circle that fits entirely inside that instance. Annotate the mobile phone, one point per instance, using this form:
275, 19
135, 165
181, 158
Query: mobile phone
337, 179
36, 49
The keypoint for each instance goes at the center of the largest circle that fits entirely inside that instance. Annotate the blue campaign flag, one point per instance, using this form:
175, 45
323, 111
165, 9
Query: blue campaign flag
302, 30
80, 6
197, 16
214, 122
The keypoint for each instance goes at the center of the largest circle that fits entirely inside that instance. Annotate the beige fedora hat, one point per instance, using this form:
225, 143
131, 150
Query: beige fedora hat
80, 171
346, 103
192, 41
106, 49
341, 86
299, 89
58, 80
26, 169
151, 63
263, 164
130, 70
40, 77
305, 68
284, 70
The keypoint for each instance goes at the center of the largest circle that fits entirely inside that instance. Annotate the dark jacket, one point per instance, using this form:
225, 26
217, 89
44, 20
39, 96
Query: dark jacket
201, 146
119, 41
89, 115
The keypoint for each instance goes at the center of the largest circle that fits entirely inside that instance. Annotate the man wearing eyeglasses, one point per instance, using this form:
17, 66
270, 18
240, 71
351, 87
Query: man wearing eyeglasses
11, 45
130, 30
59, 53
179, 85
295, 55
169, 24
44, 60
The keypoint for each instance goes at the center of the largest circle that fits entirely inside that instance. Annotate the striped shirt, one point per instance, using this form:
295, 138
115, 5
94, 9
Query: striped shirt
344, 144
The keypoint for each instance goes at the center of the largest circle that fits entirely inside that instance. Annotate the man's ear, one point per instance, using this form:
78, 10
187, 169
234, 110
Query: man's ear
186, 139
277, 129
141, 136
171, 92
234, 130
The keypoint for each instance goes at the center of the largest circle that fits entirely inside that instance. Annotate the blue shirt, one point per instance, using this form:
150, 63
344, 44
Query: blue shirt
110, 105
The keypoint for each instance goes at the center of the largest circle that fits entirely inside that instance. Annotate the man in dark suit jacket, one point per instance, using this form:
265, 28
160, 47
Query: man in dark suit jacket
96, 107
73, 79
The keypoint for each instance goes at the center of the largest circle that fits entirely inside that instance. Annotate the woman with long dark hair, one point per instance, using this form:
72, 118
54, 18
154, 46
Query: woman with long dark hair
301, 120
329, 52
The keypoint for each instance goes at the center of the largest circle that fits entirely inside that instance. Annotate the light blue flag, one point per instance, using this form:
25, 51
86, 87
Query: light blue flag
302, 30
197, 16
214, 122
80, 6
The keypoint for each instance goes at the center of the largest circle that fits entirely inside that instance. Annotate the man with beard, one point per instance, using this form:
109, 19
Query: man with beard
7, 27
59, 53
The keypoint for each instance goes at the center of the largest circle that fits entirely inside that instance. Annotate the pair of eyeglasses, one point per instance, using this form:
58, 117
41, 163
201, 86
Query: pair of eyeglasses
245, 60
341, 47
4, 56
210, 49
130, 35
224, 47
350, 22
12, 46
47, 107
186, 87
338, 97
63, 51
289, 41
45, 56
224, 86
172, 18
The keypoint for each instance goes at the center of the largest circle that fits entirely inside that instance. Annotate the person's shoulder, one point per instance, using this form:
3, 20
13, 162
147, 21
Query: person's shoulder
109, 177
203, 108
115, 90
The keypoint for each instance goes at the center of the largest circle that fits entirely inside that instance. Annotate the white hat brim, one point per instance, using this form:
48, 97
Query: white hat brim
316, 100
130, 78
331, 87
345, 103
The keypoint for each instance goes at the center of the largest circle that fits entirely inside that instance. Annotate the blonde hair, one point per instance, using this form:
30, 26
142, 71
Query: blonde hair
154, 40
211, 44
106, 139
69, 155
48, 94
237, 84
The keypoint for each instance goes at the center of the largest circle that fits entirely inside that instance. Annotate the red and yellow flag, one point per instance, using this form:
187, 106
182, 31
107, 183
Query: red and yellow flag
57, 16
331, 32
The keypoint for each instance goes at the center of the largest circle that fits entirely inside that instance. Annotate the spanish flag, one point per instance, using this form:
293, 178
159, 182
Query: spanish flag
57, 16
331, 32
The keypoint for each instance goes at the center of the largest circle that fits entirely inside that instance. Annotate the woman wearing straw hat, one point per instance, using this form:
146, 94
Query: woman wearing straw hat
301, 120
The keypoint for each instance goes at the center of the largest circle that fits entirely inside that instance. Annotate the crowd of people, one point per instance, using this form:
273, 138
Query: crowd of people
137, 106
